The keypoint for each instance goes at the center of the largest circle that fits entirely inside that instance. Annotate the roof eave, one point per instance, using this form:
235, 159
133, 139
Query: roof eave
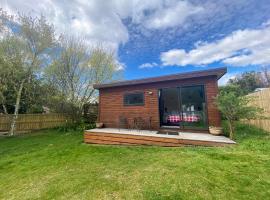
218, 72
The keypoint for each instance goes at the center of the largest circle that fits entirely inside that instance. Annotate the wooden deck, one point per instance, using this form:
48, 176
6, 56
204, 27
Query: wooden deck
144, 137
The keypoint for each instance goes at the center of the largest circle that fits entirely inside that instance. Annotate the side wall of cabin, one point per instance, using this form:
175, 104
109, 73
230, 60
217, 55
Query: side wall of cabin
111, 104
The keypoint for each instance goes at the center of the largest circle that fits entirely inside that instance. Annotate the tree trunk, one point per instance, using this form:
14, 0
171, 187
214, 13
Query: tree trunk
267, 76
5, 109
231, 129
16, 111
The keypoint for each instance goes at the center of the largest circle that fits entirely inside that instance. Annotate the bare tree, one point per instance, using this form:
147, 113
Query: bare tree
4, 19
266, 74
77, 68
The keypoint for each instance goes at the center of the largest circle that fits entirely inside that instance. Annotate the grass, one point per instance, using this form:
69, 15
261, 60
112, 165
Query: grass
57, 165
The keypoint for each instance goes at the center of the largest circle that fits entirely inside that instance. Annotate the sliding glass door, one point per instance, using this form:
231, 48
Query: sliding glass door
169, 107
183, 107
193, 107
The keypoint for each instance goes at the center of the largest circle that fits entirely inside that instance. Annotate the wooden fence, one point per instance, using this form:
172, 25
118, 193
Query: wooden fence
27, 122
261, 100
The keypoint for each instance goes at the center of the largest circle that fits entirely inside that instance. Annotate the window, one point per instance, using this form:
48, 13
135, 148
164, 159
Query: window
134, 99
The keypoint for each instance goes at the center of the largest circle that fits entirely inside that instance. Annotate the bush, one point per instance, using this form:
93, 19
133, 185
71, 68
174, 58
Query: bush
234, 108
79, 126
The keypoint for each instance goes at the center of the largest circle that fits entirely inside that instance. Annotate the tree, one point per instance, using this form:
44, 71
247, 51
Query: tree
234, 88
248, 81
28, 48
11, 58
77, 68
3, 88
24, 53
4, 19
4, 29
33, 96
235, 107
266, 76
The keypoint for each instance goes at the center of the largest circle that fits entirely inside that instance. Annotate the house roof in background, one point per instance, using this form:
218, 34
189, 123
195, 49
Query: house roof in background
218, 72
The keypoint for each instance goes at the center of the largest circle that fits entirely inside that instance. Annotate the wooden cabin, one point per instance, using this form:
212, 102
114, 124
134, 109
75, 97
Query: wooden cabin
183, 101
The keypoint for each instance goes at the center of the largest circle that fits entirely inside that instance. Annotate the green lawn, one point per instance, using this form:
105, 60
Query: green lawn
57, 165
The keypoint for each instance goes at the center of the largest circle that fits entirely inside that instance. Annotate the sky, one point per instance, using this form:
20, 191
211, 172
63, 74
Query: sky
160, 37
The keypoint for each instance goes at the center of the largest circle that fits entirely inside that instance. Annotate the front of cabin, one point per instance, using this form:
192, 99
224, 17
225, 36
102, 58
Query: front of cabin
181, 101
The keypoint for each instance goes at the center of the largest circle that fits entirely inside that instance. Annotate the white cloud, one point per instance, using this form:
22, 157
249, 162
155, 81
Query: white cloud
224, 79
120, 66
171, 15
172, 57
101, 21
96, 21
148, 65
242, 47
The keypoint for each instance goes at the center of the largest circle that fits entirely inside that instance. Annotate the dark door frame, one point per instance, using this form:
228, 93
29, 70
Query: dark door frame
180, 109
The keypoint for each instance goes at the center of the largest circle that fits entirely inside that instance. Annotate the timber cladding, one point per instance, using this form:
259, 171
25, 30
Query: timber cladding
111, 101
130, 139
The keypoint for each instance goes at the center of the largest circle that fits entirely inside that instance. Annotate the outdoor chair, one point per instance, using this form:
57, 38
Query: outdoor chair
139, 123
123, 123
149, 123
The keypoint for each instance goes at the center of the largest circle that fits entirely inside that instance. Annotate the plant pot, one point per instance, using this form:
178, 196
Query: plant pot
99, 125
215, 130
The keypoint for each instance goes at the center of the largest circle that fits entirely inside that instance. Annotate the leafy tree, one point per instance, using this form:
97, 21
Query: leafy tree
11, 58
23, 53
235, 107
35, 96
248, 81
234, 88
34, 64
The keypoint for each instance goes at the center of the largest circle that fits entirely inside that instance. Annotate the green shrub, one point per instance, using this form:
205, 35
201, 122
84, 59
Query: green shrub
78, 126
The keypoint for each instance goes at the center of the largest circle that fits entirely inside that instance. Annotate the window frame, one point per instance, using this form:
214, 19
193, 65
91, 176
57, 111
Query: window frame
133, 93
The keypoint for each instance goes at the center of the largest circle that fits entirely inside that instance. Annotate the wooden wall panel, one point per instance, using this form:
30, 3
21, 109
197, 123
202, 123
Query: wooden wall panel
111, 101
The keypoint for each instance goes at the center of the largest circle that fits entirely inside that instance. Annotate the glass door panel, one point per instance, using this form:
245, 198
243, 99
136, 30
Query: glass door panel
170, 107
193, 107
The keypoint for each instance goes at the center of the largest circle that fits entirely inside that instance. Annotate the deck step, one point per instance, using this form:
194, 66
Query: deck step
130, 138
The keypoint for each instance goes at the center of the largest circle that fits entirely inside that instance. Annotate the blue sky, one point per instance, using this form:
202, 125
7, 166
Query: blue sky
158, 37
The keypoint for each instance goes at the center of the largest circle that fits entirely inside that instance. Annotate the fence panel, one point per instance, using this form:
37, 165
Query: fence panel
262, 100
26, 122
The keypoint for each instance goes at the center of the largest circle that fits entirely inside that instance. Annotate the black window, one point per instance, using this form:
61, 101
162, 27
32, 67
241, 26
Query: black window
134, 99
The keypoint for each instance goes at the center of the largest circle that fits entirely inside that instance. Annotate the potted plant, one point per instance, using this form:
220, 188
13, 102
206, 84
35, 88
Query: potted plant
215, 130
99, 125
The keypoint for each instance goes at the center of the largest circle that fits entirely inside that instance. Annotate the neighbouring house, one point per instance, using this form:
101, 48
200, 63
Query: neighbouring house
183, 101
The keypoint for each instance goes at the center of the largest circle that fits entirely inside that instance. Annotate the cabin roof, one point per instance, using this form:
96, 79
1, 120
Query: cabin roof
218, 72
